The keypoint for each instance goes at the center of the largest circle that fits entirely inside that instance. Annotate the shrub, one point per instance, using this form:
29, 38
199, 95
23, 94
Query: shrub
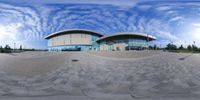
181, 47
7, 49
171, 47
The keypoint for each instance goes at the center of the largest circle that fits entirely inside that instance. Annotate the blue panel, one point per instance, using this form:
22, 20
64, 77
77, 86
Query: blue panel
71, 48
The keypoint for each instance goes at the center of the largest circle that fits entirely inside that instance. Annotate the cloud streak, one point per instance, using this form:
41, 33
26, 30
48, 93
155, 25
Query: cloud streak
98, 2
32, 22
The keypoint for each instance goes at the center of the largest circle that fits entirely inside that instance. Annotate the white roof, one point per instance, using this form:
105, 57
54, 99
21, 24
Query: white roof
128, 33
68, 30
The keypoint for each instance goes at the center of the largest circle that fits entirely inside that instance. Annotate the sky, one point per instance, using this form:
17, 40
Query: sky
27, 22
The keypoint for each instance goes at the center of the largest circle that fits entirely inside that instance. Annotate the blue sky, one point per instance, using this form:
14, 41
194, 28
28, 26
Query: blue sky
27, 22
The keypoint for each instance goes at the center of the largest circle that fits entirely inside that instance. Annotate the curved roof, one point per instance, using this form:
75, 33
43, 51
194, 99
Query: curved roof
68, 31
129, 35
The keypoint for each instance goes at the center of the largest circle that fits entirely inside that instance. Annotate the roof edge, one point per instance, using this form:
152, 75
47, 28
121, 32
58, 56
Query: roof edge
128, 33
57, 33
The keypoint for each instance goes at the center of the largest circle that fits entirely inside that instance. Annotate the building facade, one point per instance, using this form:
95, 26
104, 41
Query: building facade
86, 40
73, 40
125, 41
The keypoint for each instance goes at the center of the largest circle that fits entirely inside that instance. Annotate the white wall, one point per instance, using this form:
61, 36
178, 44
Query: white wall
71, 39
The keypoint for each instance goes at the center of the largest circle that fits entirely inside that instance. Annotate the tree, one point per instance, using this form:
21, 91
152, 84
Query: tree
1, 49
7, 49
181, 47
171, 47
155, 47
150, 47
189, 47
20, 48
195, 48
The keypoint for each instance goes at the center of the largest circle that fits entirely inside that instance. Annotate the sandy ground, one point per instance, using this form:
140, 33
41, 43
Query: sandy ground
144, 75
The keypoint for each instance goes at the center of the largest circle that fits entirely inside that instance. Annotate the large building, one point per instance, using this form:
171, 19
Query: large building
73, 40
86, 40
125, 41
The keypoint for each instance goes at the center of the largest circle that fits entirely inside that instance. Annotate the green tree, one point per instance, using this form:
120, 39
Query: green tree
7, 49
194, 47
189, 47
1, 49
171, 47
20, 48
150, 47
155, 47
181, 47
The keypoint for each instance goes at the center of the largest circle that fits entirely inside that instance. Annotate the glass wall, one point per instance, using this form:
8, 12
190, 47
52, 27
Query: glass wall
123, 44
130, 42
137, 42
78, 45
71, 48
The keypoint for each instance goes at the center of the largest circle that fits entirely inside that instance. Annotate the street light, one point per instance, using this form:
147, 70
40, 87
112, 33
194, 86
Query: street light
185, 45
14, 46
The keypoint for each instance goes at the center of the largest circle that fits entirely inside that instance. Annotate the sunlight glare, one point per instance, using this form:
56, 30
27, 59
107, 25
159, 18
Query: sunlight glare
3, 33
196, 33
9, 31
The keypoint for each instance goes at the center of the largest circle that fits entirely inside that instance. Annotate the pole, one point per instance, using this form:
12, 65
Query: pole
129, 43
14, 46
160, 46
185, 45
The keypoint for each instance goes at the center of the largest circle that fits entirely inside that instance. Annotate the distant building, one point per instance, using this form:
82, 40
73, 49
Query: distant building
86, 40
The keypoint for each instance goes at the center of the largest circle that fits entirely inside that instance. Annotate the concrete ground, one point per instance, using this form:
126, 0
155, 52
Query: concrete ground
144, 75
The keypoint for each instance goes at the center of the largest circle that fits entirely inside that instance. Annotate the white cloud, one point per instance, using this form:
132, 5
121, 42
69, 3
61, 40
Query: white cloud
144, 7
195, 31
102, 2
163, 8
171, 12
168, 35
8, 33
196, 25
106, 19
176, 18
25, 15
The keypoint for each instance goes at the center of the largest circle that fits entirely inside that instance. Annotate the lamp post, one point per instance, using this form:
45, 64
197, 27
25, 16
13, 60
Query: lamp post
129, 43
185, 45
14, 46
160, 46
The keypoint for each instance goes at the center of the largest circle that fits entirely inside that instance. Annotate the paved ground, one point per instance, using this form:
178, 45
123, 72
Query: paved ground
145, 75
31, 63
